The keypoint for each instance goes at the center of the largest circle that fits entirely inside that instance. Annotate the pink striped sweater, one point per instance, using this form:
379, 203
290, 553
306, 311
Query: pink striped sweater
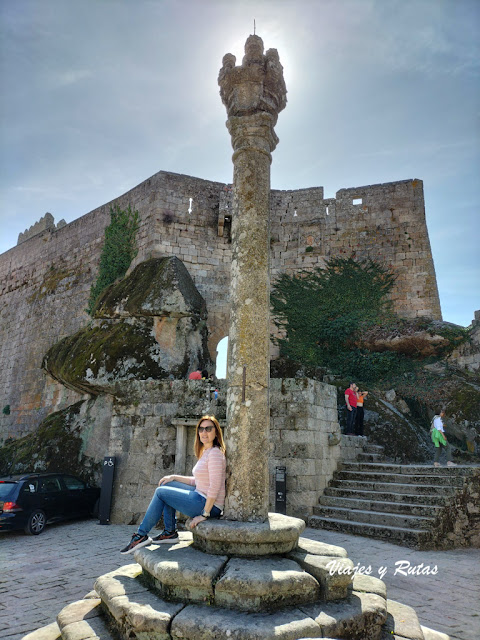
209, 476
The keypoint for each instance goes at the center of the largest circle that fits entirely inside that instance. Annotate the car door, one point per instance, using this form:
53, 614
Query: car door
52, 498
77, 503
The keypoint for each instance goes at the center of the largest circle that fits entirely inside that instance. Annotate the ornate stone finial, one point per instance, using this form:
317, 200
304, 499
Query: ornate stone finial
255, 86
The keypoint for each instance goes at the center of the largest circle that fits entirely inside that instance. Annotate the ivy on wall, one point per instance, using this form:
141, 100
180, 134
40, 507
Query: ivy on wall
321, 315
118, 251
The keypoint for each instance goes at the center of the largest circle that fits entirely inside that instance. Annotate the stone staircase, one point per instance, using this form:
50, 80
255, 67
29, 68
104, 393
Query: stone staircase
402, 504
178, 592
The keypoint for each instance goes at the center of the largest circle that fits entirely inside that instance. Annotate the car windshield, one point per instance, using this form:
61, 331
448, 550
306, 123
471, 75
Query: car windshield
6, 488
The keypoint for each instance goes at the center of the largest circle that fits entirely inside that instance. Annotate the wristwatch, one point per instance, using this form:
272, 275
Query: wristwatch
206, 514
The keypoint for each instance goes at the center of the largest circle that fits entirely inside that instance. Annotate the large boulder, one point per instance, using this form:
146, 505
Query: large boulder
150, 325
160, 287
418, 338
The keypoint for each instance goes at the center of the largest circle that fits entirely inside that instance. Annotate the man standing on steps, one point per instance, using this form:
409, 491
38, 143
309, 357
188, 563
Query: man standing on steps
439, 439
351, 402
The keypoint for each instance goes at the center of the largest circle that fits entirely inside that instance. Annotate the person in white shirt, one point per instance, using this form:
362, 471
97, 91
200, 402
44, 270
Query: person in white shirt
439, 439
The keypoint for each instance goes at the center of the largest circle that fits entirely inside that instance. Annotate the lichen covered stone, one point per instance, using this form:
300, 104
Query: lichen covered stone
156, 287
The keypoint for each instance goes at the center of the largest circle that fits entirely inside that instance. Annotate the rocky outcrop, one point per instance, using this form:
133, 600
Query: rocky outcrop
159, 287
419, 338
66, 441
467, 355
148, 326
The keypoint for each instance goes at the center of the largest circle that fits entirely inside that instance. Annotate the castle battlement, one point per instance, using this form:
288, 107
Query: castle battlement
45, 281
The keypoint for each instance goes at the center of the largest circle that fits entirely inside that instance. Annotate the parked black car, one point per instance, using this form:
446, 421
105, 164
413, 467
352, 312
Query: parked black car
32, 500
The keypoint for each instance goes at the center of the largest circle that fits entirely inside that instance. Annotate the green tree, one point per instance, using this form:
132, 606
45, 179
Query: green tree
118, 251
322, 313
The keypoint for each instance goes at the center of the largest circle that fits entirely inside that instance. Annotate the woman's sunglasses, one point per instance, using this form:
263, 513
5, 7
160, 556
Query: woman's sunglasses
207, 429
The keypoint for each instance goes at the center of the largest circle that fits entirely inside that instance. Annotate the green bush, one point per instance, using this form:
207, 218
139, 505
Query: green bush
118, 251
322, 314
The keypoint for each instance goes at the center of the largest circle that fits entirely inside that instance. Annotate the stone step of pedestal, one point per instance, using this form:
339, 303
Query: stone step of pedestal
381, 506
399, 478
84, 620
181, 572
418, 538
430, 634
394, 487
48, 632
375, 517
402, 622
422, 499
133, 609
359, 617
266, 584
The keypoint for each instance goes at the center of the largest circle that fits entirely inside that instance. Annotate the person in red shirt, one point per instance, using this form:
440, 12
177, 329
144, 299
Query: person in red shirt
351, 402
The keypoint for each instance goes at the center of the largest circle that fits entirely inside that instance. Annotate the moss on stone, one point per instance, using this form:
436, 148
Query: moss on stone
95, 357
156, 287
55, 446
51, 281
464, 403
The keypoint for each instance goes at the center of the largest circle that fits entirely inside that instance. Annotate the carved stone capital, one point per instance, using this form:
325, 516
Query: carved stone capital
254, 132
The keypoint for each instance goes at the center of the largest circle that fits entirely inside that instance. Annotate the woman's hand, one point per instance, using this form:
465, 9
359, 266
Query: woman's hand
194, 521
166, 480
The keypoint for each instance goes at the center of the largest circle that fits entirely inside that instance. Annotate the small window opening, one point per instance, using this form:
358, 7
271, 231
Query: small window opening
326, 210
190, 205
357, 201
295, 213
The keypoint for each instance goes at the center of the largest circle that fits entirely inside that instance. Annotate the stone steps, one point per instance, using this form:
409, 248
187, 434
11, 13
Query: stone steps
370, 457
400, 478
383, 506
388, 496
396, 535
373, 448
375, 517
403, 504
394, 487
410, 469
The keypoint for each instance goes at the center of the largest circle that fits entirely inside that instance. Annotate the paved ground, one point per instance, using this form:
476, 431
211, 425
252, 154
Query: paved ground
41, 574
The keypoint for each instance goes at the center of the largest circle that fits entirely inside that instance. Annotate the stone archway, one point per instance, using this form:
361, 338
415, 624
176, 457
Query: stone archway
221, 358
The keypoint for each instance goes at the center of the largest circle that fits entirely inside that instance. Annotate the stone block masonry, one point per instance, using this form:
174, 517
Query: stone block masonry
143, 438
45, 281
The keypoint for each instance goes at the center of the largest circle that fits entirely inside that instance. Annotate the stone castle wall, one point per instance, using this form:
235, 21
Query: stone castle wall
45, 281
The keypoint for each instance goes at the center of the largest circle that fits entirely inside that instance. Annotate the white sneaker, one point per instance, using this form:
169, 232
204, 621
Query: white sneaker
451, 464
436, 464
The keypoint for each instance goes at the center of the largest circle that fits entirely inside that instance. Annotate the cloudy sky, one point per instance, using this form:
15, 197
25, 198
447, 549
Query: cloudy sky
98, 95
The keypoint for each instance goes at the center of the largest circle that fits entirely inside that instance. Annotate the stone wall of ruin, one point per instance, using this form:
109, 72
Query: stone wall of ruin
45, 281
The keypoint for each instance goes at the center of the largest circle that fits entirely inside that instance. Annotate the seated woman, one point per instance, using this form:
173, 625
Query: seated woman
200, 496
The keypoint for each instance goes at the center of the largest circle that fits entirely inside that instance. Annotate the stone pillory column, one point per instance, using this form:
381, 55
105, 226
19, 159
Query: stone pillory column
253, 93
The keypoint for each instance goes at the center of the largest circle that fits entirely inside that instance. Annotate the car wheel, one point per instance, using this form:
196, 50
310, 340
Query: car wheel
36, 522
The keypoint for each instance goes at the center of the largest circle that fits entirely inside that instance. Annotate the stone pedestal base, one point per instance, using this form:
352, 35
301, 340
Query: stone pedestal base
279, 534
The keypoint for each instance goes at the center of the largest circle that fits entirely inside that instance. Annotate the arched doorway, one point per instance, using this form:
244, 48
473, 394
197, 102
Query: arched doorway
221, 361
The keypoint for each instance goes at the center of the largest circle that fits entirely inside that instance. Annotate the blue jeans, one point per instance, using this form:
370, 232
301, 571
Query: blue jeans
172, 497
